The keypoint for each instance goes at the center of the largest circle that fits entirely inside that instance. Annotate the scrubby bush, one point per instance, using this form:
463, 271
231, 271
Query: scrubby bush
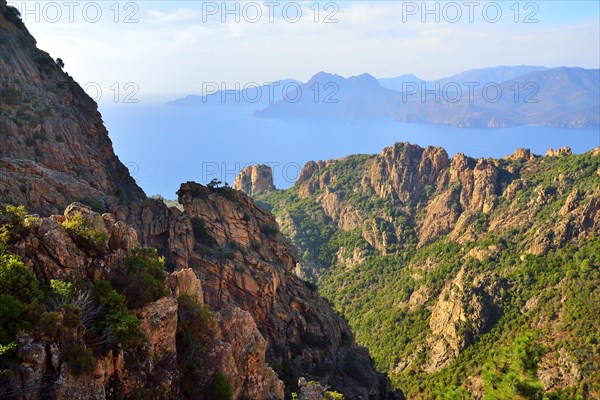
72, 316
195, 327
329, 395
200, 232
142, 278
79, 358
96, 205
51, 323
221, 388
270, 229
81, 230
16, 279
10, 321
116, 325
11, 223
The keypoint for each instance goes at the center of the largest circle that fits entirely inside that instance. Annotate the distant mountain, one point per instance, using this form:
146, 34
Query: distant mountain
398, 83
482, 76
559, 97
491, 74
254, 94
327, 95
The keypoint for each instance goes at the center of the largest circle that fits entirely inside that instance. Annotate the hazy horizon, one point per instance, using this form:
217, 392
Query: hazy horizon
168, 49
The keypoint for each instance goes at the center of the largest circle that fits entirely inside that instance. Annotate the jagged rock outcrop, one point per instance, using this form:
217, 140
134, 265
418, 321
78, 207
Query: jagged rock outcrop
495, 219
562, 151
237, 349
464, 310
254, 180
52, 252
54, 148
437, 195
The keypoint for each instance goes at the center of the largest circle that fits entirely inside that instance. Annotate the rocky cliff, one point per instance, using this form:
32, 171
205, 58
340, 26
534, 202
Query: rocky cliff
238, 253
439, 196
42, 366
231, 318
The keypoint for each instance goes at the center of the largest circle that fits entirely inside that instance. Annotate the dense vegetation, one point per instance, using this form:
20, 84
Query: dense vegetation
547, 304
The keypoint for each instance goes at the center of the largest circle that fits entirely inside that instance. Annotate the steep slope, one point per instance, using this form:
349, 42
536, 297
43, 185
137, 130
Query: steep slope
77, 339
54, 148
224, 252
435, 262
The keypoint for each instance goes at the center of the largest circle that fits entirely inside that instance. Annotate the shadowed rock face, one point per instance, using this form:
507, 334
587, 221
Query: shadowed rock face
243, 261
54, 148
254, 180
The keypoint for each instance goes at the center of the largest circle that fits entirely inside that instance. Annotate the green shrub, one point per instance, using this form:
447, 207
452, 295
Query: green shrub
81, 230
333, 396
195, 328
51, 323
12, 223
142, 278
117, 324
96, 205
221, 389
270, 229
16, 279
72, 316
511, 373
201, 233
10, 322
79, 358
311, 286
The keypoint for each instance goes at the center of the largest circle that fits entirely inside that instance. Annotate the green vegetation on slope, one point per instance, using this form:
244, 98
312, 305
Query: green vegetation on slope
543, 309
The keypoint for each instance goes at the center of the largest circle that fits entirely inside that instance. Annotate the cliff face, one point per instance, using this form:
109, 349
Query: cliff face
236, 348
54, 148
254, 180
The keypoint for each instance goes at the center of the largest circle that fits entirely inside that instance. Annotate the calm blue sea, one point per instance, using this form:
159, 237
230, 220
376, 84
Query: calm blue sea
164, 146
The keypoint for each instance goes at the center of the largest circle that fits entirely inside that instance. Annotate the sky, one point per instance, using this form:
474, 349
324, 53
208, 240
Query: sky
155, 51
